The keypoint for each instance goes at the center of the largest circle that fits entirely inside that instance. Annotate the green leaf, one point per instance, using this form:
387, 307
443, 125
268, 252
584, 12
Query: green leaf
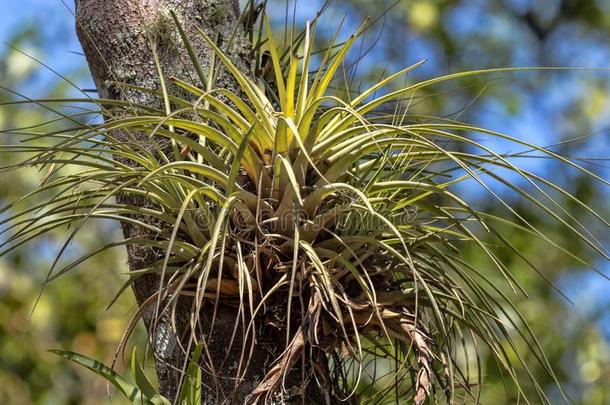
140, 376
131, 392
190, 392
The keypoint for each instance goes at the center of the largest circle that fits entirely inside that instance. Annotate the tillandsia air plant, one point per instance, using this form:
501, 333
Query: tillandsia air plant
331, 217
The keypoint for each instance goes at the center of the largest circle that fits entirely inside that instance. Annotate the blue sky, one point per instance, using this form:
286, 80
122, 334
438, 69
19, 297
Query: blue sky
58, 42
538, 120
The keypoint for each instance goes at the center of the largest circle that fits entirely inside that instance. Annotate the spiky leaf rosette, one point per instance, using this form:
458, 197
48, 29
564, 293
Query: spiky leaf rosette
324, 216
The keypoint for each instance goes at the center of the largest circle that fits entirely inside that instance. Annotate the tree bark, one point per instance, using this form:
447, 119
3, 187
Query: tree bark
117, 38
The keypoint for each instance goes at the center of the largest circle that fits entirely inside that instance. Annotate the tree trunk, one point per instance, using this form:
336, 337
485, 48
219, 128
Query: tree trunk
117, 38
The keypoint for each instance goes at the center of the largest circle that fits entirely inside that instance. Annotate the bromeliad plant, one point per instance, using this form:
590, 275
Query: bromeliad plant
320, 210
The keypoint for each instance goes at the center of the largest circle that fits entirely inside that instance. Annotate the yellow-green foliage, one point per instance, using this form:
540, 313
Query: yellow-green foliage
292, 196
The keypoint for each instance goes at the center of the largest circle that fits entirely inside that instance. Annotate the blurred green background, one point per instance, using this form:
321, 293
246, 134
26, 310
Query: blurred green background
544, 108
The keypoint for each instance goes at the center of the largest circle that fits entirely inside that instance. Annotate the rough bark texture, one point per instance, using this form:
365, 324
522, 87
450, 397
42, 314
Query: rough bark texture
117, 36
